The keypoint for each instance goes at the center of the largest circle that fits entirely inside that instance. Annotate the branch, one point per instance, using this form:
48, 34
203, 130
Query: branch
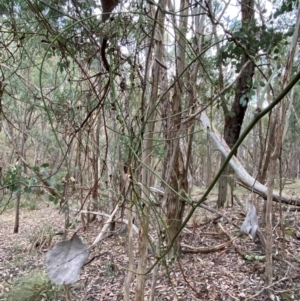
125, 221
246, 180
103, 230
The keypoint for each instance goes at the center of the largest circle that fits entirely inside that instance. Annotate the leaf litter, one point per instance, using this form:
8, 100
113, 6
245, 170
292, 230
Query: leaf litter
220, 275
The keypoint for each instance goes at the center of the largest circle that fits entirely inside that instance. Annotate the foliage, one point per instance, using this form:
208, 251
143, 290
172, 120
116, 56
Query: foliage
253, 256
16, 181
34, 286
87, 88
41, 237
286, 7
251, 40
30, 203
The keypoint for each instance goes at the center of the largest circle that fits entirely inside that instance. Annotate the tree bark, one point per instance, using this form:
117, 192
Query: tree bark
176, 174
234, 118
149, 113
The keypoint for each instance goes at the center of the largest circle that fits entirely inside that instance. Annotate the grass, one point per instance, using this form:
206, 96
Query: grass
42, 237
30, 204
25, 203
34, 286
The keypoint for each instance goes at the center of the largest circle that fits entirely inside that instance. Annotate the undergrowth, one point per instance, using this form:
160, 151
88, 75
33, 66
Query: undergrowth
35, 286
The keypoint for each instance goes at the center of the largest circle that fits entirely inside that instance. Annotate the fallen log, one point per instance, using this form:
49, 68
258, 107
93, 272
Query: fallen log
246, 180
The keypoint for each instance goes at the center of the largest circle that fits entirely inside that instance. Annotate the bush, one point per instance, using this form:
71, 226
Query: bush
34, 286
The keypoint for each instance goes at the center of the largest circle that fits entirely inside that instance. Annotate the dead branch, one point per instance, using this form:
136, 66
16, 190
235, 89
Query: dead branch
244, 177
100, 235
198, 294
218, 213
124, 221
195, 250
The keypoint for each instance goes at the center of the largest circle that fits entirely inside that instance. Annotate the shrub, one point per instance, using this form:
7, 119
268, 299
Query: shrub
34, 286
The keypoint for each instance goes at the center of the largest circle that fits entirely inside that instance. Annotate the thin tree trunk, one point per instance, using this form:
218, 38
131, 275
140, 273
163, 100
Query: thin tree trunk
176, 174
149, 112
17, 213
269, 224
95, 156
128, 278
79, 176
20, 152
278, 115
209, 162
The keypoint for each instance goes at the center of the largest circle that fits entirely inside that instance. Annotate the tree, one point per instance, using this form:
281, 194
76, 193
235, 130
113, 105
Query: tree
235, 116
103, 110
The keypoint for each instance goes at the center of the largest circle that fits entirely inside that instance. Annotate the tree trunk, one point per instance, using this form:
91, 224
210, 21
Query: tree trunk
174, 205
95, 156
149, 113
176, 174
17, 213
234, 118
209, 161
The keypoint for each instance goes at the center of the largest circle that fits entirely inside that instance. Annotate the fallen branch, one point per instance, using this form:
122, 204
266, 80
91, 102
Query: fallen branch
205, 250
111, 217
194, 250
124, 221
220, 214
248, 181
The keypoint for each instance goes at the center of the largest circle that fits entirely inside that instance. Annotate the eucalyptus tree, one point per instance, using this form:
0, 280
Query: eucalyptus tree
118, 94
234, 117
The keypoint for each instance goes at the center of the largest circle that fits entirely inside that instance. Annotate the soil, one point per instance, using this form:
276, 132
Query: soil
221, 270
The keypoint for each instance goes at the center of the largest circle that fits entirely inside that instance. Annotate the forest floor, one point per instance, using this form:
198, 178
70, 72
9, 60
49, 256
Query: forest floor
223, 270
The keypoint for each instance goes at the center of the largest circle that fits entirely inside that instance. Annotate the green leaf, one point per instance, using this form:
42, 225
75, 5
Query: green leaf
243, 100
52, 181
31, 181
36, 168
59, 187
42, 169
15, 188
51, 198
262, 84
260, 258
255, 85
45, 165
27, 189
251, 93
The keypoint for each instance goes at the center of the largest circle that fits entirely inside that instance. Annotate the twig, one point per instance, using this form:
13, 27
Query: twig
186, 281
268, 287
220, 214
95, 257
67, 292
